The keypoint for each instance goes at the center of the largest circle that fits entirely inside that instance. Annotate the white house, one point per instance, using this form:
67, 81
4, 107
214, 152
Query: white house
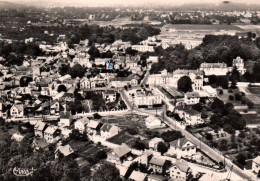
17, 110
39, 128
52, 134
211, 92
239, 64
147, 98
190, 116
65, 150
256, 165
81, 124
182, 147
109, 95
191, 98
154, 142
179, 170
153, 59
65, 119
108, 131
153, 122
143, 48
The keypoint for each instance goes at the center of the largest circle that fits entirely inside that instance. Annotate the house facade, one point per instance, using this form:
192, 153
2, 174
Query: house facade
182, 147
17, 110
108, 131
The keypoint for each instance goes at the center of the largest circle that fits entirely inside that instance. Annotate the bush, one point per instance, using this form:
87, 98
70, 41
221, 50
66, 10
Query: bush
230, 91
96, 116
231, 98
132, 131
238, 97
221, 92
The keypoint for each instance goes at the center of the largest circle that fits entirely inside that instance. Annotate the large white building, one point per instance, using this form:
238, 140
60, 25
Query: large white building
165, 78
143, 48
239, 63
219, 69
147, 98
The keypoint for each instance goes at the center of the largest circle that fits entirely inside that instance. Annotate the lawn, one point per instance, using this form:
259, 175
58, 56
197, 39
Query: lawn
122, 137
254, 90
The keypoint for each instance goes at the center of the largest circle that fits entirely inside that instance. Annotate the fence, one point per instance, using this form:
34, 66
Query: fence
103, 113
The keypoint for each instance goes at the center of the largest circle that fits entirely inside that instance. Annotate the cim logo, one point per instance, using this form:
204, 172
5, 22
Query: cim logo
109, 65
23, 172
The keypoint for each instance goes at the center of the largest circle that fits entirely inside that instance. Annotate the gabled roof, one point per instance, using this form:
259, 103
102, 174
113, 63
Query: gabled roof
192, 94
106, 127
138, 176
257, 160
41, 143
39, 125
19, 107
182, 165
151, 119
109, 92
51, 129
122, 170
83, 120
157, 161
65, 150
157, 177
65, 115
93, 124
122, 150
179, 143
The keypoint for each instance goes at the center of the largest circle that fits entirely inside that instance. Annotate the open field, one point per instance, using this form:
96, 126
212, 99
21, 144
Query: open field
254, 90
197, 27
118, 22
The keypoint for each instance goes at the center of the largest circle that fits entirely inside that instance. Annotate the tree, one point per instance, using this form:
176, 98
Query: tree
162, 147
241, 159
172, 135
96, 116
139, 145
107, 172
238, 97
198, 107
208, 136
62, 88
85, 172
76, 135
184, 84
230, 97
217, 105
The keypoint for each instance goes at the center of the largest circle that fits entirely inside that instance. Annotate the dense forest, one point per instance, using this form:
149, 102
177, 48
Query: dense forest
213, 49
74, 34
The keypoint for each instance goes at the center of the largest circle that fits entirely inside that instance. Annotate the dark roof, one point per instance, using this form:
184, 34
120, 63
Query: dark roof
65, 115
106, 127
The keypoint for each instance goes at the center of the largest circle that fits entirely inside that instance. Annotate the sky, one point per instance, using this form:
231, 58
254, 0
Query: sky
125, 2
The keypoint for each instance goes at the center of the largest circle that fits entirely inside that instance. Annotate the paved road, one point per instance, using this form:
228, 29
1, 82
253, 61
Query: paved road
209, 151
205, 148
143, 82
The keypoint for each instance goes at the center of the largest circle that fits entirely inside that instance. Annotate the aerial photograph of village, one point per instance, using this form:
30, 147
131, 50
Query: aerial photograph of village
138, 90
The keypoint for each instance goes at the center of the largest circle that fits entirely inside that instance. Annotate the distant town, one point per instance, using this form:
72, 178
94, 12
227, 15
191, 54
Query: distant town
124, 94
